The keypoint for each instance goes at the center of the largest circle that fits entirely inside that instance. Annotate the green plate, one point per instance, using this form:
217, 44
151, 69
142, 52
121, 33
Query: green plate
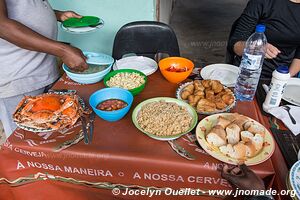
189, 108
134, 91
81, 22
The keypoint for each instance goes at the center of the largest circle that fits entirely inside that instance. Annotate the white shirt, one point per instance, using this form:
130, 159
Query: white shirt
22, 70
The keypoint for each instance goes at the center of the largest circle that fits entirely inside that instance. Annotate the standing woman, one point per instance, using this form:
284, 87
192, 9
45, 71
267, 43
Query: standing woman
282, 20
28, 46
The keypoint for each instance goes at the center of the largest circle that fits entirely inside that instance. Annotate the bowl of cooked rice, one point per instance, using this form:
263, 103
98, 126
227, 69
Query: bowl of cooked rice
164, 118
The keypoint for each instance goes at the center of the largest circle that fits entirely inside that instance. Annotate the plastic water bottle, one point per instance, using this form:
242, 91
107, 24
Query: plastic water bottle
251, 64
279, 80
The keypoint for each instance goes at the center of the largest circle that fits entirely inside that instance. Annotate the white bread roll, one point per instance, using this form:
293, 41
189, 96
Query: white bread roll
217, 136
258, 142
223, 122
240, 121
246, 136
233, 116
248, 124
257, 129
239, 151
250, 149
233, 133
227, 149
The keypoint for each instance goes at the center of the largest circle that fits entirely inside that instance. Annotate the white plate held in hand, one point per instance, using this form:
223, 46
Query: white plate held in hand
82, 30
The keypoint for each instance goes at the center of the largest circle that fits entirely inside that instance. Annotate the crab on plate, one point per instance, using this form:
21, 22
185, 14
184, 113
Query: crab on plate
48, 111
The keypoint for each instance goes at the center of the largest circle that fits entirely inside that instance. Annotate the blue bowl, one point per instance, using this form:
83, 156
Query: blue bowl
94, 77
87, 78
111, 93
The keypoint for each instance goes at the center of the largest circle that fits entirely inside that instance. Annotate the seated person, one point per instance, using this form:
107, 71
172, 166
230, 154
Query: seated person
282, 21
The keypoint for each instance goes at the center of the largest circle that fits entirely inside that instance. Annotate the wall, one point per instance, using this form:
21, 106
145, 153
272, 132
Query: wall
115, 13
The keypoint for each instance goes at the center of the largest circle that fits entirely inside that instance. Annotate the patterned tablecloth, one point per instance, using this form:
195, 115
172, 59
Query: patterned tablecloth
60, 166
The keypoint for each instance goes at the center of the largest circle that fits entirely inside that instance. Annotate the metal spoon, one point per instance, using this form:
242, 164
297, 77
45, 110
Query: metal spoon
180, 150
287, 108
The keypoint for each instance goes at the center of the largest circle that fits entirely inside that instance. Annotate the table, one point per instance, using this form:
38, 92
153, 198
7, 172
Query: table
120, 155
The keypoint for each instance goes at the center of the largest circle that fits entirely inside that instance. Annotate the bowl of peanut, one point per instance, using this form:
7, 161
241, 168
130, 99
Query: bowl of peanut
128, 79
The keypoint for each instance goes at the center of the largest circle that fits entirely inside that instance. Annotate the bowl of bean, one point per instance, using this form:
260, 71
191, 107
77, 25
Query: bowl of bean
128, 79
111, 104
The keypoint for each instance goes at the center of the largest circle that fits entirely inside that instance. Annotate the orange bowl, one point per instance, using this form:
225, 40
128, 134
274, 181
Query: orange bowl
179, 63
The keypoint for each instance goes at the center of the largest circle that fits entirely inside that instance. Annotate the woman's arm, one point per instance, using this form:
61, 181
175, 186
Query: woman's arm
295, 67
245, 25
239, 47
22, 36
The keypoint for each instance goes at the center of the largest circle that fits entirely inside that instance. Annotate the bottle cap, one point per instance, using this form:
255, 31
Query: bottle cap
260, 28
283, 69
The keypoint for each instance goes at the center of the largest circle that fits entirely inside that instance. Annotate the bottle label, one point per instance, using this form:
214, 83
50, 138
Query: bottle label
251, 61
274, 96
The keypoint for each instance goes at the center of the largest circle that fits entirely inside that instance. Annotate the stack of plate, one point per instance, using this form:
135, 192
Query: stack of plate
82, 25
293, 180
146, 65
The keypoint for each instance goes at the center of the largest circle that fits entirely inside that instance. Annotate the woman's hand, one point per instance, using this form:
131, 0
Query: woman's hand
242, 177
73, 58
271, 51
64, 15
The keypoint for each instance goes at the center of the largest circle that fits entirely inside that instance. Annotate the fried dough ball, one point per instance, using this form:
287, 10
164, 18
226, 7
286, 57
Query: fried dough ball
228, 98
220, 104
185, 94
193, 100
216, 86
227, 90
205, 105
199, 93
206, 83
209, 94
220, 94
188, 90
197, 82
198, 85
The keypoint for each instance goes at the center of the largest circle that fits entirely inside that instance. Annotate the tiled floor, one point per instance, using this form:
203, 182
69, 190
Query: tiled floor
2, 135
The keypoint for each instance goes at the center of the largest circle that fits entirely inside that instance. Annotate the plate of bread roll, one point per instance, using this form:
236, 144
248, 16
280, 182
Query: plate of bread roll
235, 139
207, 96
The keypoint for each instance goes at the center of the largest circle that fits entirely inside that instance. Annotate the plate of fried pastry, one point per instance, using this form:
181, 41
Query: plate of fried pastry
207, 96
235, 139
